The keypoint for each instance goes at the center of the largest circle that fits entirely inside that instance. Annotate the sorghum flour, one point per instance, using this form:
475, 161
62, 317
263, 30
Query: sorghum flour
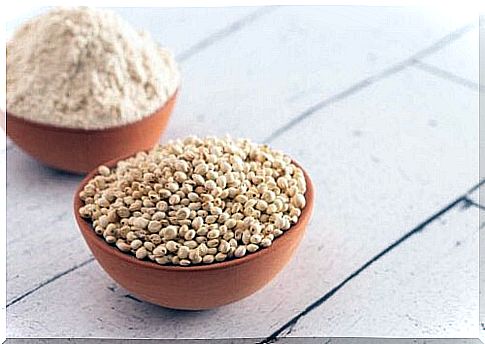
86, 68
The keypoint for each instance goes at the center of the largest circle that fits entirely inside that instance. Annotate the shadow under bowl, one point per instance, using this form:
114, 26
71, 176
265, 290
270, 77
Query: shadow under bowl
81, 150
195, 287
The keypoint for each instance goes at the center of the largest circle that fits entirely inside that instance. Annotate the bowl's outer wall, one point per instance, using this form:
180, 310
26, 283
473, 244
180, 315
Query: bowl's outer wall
190, 288
80, 151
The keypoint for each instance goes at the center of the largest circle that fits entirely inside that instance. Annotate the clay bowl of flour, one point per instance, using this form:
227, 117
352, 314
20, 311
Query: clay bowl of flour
81, 150
83, 87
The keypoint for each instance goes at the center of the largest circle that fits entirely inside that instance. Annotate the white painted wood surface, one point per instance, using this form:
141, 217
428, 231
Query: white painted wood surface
291, 60
428, 287
385, 155
458, 57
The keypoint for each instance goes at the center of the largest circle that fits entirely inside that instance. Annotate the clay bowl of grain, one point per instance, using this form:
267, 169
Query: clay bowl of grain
81, 150
195, 287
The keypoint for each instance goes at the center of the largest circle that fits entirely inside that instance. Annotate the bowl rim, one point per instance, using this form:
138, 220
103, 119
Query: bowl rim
86, 229
55, 127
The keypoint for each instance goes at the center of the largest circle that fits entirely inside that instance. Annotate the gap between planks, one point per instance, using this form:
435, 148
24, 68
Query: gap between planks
364, 83
469, 203
48, 281
444, 74
288, 327
225, 32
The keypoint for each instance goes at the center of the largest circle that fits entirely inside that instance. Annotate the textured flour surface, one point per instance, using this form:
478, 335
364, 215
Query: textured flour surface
86, 68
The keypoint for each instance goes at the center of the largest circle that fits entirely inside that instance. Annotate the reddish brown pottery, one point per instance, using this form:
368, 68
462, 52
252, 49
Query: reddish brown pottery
81, 150
195, 287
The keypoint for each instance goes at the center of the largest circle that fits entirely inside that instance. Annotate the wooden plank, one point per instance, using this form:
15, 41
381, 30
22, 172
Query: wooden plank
427, 287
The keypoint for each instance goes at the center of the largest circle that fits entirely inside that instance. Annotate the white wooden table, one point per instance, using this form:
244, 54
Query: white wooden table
380, 105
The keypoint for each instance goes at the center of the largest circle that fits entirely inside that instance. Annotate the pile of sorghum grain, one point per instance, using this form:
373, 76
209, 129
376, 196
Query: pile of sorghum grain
196, 201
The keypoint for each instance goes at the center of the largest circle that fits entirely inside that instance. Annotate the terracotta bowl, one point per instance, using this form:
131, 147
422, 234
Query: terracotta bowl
81, 150
201, 286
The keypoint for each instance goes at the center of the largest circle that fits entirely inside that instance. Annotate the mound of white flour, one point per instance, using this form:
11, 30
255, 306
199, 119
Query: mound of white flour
86, 68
